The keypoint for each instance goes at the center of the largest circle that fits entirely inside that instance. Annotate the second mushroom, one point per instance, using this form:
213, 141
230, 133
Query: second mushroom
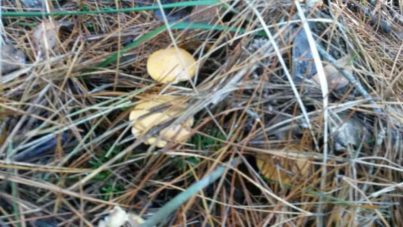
158, 112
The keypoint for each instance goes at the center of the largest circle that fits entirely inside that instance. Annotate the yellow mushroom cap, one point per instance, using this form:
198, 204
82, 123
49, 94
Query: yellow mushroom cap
154, 111
171, 65
282, 169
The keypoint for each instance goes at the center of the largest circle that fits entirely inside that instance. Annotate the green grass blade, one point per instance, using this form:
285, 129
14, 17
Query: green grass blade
184, 196
144, 38
150, 35
109, 10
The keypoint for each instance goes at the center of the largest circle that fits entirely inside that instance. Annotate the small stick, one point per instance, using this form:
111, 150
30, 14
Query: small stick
382, 133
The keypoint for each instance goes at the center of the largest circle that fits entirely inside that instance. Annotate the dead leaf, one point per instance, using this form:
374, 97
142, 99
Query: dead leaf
204, 13
335, 79
348, 132
11, 59
118, 217
45, 36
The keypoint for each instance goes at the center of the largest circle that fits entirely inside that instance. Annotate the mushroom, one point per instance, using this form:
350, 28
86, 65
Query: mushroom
282, 169
171, 65
156, 111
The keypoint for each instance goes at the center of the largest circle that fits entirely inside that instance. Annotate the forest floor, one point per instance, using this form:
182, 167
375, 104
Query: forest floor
293, 117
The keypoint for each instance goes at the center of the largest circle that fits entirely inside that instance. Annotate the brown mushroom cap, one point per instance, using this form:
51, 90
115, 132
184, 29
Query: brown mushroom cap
171, 65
